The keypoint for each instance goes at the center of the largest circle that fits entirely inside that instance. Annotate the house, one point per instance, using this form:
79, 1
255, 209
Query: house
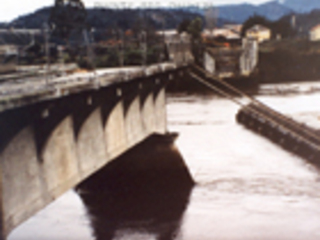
237, 61
19, 37
314, 33
221, 32
259, 32
233, 27
178, 45
170, 35
8, 58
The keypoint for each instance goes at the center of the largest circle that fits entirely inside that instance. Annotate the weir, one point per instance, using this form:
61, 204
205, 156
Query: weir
57, 134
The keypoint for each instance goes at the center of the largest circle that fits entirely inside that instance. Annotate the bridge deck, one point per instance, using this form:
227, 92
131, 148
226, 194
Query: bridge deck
20, 92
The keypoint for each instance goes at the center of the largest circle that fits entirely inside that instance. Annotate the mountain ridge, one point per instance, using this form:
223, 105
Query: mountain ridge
301, 6
230, 13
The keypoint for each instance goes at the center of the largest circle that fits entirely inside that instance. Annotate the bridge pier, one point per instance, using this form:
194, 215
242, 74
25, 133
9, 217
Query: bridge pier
91, 144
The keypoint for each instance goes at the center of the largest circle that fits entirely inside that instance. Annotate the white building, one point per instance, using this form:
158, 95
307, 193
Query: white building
314, 33
259, 32
209, 63
8, 58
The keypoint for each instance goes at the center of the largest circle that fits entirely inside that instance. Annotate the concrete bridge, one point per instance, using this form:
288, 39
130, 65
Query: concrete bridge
57, 132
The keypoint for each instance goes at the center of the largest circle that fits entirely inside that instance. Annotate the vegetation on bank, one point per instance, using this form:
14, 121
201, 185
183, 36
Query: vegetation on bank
290, 55
289, 60
131, 56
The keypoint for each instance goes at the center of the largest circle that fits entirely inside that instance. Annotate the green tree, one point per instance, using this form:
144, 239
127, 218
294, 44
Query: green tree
67, 15
195, 28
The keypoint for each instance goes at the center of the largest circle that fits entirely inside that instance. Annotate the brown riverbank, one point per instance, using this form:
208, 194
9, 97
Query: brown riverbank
291, 60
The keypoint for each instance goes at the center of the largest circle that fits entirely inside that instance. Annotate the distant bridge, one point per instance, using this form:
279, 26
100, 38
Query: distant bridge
57, 132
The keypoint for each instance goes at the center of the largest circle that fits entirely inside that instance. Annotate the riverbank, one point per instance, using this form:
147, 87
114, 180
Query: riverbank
289, 60
189, 85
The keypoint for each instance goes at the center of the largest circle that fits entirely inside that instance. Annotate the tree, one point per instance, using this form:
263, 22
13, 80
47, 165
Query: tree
183, 26
283, 28
195, 28
67, 15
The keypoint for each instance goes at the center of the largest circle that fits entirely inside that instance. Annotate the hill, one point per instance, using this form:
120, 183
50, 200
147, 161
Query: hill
240, 13
108, 18
236, 13
302, 6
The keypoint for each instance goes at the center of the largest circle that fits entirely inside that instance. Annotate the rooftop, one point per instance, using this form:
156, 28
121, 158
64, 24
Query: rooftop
258, 28
316, 27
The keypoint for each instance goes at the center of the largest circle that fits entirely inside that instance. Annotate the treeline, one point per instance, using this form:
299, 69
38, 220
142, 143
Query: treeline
289, 60
275, 67
288, 26
110, 18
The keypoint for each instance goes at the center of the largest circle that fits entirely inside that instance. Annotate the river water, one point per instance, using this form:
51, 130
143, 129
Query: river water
246, 188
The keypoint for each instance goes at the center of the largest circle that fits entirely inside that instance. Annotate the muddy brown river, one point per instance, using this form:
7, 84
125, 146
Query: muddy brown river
247, 188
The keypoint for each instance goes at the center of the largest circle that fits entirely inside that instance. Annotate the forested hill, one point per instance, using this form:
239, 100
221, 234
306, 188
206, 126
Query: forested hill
306, 10
110, 18
104, 18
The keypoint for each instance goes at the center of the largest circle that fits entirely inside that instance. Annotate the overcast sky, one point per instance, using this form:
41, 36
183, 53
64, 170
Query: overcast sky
11, 9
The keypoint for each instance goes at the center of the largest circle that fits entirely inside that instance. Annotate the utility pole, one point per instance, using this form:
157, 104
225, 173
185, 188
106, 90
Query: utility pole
90, 56
121, 48
143, 47
47, 50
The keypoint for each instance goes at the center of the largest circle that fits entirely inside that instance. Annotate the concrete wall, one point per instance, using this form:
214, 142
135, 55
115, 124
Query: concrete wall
49, 147
209, 63
249, 57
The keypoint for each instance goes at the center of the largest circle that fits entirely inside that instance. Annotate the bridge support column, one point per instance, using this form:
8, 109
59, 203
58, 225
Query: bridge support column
115, 132
134, 125
21, 183
160, 111
91, 146
59, 159
148, 114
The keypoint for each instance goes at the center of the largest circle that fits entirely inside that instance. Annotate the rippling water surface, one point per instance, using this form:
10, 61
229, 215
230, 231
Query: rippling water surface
246, 187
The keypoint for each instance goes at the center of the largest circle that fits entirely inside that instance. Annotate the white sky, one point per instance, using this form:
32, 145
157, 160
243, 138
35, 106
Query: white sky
11, 9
